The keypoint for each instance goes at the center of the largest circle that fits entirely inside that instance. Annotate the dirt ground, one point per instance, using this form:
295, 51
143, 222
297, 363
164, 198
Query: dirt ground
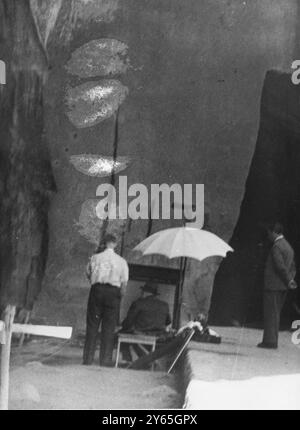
238, 375
47, 374
238, 358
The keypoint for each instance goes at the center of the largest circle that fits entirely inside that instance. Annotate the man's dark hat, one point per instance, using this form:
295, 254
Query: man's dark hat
150, 287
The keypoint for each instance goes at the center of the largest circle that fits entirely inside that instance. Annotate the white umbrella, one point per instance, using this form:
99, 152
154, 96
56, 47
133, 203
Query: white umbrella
183, 242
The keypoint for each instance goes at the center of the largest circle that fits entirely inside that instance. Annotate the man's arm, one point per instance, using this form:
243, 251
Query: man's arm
124, 279
280, 266
128, 323
89, 270
123, 288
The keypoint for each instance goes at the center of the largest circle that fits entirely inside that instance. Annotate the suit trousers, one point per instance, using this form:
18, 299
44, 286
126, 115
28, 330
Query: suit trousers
103, 307
170, 347
126, 353
273, 304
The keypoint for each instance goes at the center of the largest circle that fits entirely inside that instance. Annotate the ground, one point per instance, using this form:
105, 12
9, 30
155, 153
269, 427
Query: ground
47, 374
238, 375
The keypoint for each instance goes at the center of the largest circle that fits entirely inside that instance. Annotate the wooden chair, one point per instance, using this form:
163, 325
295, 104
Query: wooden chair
139, 339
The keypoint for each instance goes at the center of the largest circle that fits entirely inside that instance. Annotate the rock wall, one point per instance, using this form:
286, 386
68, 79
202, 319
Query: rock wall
26, 179
181, 82
271, 194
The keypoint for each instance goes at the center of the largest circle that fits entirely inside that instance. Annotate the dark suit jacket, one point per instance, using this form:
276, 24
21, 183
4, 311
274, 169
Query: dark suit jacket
146, 315
280, 266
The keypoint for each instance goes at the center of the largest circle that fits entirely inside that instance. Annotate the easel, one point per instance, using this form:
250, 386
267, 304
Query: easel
7, 328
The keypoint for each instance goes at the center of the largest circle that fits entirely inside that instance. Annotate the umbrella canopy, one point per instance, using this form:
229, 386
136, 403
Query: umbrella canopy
184, 242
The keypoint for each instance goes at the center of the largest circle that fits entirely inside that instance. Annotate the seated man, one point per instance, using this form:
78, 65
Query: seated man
147, 315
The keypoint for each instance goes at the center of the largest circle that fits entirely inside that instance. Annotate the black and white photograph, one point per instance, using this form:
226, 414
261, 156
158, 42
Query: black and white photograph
149, 207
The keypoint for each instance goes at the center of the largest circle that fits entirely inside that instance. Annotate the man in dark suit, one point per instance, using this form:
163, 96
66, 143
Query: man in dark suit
278, 279
147, 315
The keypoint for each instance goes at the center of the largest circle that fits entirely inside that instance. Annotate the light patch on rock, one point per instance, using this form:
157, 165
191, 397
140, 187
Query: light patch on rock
100, 57
90, 103
96, 10
45, 14
97, 165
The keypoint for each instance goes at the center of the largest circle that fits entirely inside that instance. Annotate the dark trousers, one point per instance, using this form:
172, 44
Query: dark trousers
103, 307
273, 304
171, 347
140, 352
126, 354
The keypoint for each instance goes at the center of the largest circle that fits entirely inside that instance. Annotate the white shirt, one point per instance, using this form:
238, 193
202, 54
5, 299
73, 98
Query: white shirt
107, 267
278, 238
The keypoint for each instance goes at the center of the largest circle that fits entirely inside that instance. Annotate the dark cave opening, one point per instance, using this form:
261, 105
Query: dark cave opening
272, 194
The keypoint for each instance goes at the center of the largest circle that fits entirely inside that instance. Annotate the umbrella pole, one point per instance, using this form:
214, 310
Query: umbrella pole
182, 269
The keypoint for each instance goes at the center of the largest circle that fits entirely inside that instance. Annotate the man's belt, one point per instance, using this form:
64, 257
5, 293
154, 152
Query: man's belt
107, 284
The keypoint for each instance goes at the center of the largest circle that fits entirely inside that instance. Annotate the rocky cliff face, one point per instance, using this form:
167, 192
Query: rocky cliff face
27, 182
271, 194
162, 92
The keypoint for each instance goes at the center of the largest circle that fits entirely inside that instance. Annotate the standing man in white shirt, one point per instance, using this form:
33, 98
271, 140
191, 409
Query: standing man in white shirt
108, 274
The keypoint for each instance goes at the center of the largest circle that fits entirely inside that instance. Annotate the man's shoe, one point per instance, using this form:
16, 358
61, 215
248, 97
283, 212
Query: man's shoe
207, 336
267, 345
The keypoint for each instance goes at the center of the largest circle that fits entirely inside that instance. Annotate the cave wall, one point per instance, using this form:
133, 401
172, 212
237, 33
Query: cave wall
183, 80
26, 179
272, 194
